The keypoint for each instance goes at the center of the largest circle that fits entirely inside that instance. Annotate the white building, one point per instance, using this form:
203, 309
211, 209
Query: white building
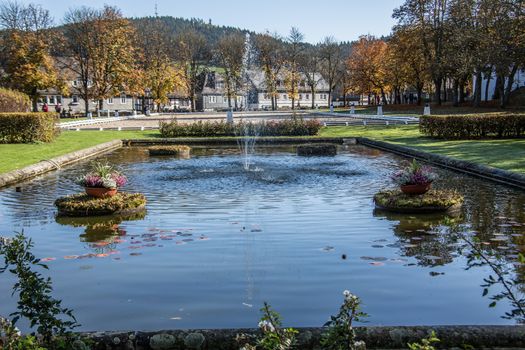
519, 81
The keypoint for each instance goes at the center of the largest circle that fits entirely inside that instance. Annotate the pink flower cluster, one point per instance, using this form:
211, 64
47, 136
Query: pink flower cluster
415, 175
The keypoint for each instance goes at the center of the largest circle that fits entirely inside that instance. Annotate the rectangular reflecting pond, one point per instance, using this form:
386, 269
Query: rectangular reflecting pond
218, 240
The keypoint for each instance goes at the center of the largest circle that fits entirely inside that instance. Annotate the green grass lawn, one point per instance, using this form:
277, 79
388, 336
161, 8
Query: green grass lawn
504, 154
508, 154
16, 156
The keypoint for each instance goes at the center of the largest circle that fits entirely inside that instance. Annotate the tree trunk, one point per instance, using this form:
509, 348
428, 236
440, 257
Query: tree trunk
462, 92
499, 87
477, 89
510, 83
419, 93
437, 85
312, 90
34, 102
487, 86
500, 83
86, 105
100, 106
445, 93
455, 95
383, 97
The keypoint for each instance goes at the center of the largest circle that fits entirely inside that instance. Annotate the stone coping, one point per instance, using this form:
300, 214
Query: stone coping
230, 141
451, 337
470, 168
478, 170
44, 166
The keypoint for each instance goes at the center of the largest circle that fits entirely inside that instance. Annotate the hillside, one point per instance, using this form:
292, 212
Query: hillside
177, 25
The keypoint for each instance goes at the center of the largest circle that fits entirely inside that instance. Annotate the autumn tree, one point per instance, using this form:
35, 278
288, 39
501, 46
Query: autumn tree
332, 63
269, 53
230, 52
407, 58
192, 53
310, 67
161, 76
367, 68
428, 19
292, 75
101, 52
26, 60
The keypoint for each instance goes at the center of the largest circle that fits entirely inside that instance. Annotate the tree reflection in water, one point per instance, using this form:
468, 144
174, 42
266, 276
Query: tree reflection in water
436, 240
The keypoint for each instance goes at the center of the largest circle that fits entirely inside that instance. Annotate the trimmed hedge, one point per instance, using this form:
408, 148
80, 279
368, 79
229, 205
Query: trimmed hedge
289, 127
14, 101
28, 127
480, 126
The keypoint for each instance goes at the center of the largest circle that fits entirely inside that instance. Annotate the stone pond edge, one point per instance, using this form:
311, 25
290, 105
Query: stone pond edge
470, 168
47, 165
376, 337
505, 177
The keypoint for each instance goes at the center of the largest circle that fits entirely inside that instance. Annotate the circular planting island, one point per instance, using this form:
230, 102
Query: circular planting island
82, 205
317, 150
434, 201
177, 150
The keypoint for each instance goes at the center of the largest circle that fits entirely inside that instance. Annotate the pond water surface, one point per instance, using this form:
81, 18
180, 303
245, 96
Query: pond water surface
217, 241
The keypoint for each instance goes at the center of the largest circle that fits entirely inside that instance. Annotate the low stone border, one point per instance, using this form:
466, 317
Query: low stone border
470, 168
229, 141
452, 337
317, 149
45, 166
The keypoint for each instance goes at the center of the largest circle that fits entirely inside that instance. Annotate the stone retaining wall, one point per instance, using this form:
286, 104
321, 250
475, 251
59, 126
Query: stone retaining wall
45, 166
478, 170
451, 337
230, 141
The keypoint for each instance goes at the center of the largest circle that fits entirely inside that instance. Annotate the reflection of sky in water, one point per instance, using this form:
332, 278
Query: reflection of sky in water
218, 241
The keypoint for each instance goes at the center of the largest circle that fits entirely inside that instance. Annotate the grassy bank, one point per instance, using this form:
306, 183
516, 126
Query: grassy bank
16, 156
504, 154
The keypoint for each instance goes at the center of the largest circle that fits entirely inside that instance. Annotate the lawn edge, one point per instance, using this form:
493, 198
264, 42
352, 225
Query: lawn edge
47, 165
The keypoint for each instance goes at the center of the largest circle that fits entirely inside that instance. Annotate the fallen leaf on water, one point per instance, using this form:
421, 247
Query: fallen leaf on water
377, 258
71, 257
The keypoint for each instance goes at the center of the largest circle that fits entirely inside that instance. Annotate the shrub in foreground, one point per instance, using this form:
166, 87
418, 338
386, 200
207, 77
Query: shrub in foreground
28, 127
480, 126
289, 127
13, 101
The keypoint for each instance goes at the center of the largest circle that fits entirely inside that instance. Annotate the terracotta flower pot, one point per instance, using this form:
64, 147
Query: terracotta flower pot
100, 192
416, 189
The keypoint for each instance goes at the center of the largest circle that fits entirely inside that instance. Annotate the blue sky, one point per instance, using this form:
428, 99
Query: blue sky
343, 19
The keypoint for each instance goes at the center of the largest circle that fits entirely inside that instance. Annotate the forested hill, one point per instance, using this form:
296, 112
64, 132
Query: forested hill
177, 25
